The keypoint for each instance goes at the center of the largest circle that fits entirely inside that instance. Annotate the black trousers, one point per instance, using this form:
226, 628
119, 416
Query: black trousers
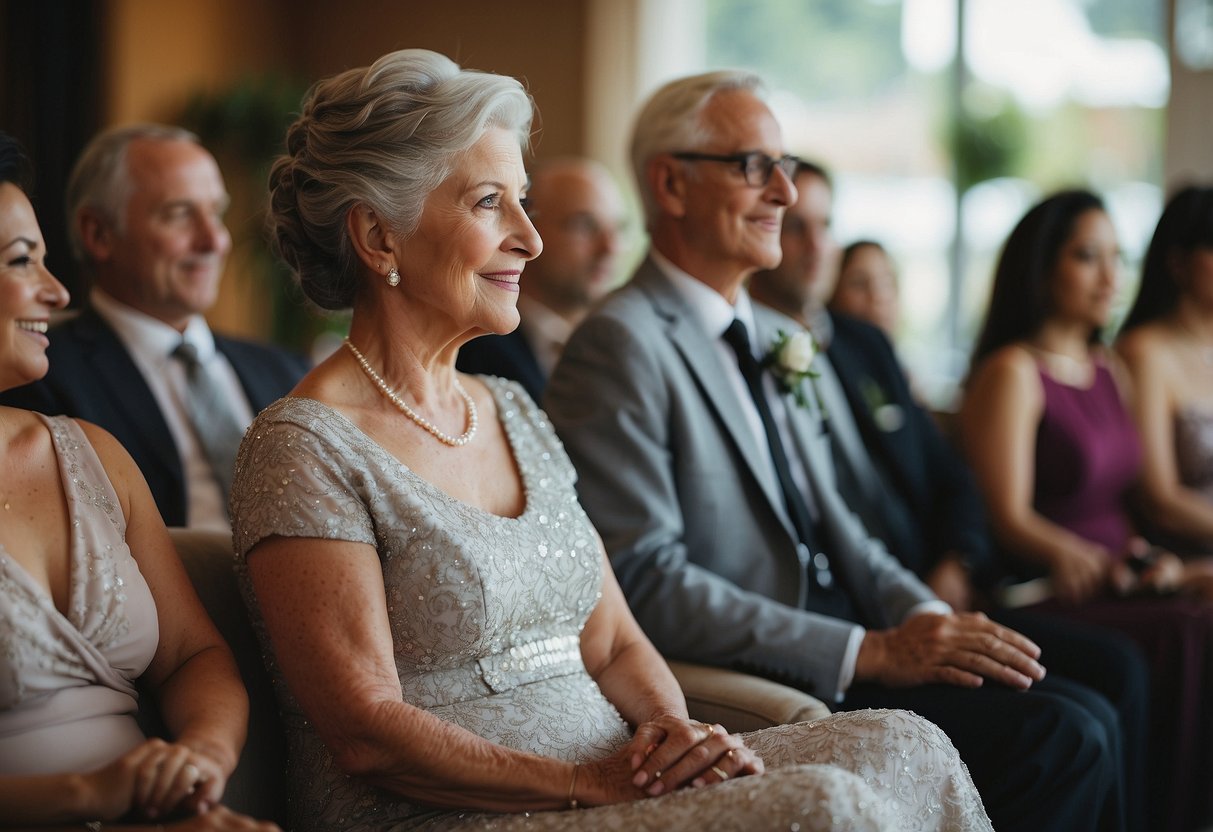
1113, 665
1044, 759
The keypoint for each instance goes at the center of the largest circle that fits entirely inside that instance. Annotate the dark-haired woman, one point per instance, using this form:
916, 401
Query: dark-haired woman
1167, 344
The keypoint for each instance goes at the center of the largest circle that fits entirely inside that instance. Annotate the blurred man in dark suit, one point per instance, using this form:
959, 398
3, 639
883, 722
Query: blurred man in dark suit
146, 206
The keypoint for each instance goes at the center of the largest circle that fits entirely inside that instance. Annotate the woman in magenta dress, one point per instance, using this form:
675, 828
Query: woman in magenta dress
1047, 427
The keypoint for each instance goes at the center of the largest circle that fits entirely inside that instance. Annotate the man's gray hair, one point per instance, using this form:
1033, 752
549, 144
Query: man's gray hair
384, 136
101, 182
670, 122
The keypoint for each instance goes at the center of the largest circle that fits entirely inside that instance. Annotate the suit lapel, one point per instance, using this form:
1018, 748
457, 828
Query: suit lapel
807, 423
700, 356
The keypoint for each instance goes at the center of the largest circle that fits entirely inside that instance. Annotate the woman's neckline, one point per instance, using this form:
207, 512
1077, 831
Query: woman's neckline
1064, 368
498, 391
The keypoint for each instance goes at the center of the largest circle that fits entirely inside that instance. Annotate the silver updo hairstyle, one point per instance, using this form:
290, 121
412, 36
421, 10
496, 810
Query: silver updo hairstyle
669, 122
384, 136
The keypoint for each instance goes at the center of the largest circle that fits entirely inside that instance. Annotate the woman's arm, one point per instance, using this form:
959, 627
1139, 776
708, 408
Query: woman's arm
1173, 506
197, 685
636, 680
325, 608
998, 421
627, 667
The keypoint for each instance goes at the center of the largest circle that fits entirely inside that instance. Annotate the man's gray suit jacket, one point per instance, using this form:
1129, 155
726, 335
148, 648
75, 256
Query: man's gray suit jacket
696, 528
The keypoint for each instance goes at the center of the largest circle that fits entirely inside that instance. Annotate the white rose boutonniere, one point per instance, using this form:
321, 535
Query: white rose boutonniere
790, 360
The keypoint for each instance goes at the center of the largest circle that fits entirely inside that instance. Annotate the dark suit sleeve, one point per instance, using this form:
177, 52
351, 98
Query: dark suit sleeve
927, 470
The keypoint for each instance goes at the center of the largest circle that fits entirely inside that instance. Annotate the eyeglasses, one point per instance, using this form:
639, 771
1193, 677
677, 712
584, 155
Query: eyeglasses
756, 166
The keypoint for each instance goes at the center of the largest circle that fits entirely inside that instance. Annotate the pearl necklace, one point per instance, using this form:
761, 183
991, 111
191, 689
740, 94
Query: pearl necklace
424, 423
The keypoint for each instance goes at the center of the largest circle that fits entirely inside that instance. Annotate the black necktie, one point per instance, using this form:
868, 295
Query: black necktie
212, 417
819, 566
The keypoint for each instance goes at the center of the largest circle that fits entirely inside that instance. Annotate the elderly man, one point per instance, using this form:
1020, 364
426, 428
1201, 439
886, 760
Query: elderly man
714, 491
146, 206
578, 211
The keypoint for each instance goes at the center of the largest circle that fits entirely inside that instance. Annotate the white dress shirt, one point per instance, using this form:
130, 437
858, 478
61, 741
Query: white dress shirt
150, 343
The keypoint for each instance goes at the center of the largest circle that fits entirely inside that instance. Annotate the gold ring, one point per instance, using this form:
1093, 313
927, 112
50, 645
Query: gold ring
657, 775
720, 773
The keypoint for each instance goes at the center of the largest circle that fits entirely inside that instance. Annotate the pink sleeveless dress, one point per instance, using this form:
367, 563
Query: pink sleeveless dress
67, 679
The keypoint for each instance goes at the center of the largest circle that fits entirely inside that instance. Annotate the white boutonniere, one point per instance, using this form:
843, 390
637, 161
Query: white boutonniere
790, 360
887, 415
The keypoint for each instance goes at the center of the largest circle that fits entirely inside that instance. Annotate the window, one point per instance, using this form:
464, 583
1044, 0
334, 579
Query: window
937, 152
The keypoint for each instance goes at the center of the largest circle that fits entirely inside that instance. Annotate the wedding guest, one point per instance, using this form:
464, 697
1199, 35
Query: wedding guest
578, 211
711, 482
146, 204
450, 645
912, 489
1047, 429
1167, 344
92, 599
867, 286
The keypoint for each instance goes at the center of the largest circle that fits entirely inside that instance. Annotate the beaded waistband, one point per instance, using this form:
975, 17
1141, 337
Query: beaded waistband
521, 664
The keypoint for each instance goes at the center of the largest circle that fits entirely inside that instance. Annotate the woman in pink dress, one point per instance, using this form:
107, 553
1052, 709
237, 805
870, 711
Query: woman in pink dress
93, 598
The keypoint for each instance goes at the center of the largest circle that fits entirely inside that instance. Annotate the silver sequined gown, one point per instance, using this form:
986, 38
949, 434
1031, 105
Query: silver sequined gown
486, 613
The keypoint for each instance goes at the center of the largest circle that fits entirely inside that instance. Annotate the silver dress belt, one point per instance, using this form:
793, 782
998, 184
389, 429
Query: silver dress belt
521, 664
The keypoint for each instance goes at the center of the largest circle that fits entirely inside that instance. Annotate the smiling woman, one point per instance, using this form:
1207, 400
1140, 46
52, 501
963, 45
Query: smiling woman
92, 599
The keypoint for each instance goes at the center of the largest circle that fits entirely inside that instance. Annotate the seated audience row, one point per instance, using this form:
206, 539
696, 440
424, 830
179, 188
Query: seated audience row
712, 484
1046, 424
518, 669
810, 523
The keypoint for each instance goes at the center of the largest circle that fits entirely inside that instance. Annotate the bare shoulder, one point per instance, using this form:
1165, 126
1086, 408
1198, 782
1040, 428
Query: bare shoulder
1148, 347
27, 440
1011, 368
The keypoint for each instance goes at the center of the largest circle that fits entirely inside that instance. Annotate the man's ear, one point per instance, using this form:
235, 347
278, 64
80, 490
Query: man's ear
667, 181
370, 238
96, 235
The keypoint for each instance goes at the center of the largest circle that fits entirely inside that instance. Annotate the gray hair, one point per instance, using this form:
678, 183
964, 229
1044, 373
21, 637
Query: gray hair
101, 182
384, 136
670, 122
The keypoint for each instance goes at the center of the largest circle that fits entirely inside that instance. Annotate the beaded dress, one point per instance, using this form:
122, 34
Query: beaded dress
1194, 463
486, 613
67, 679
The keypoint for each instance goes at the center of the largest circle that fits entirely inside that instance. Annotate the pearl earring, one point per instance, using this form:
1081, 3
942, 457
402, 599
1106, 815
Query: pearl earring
393, 277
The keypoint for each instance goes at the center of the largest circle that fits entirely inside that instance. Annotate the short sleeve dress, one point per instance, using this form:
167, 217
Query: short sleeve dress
486, 614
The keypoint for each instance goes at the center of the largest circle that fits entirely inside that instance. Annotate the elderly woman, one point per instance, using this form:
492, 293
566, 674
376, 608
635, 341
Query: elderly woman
1167, 343
1046, 424
450, 646
92, 598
